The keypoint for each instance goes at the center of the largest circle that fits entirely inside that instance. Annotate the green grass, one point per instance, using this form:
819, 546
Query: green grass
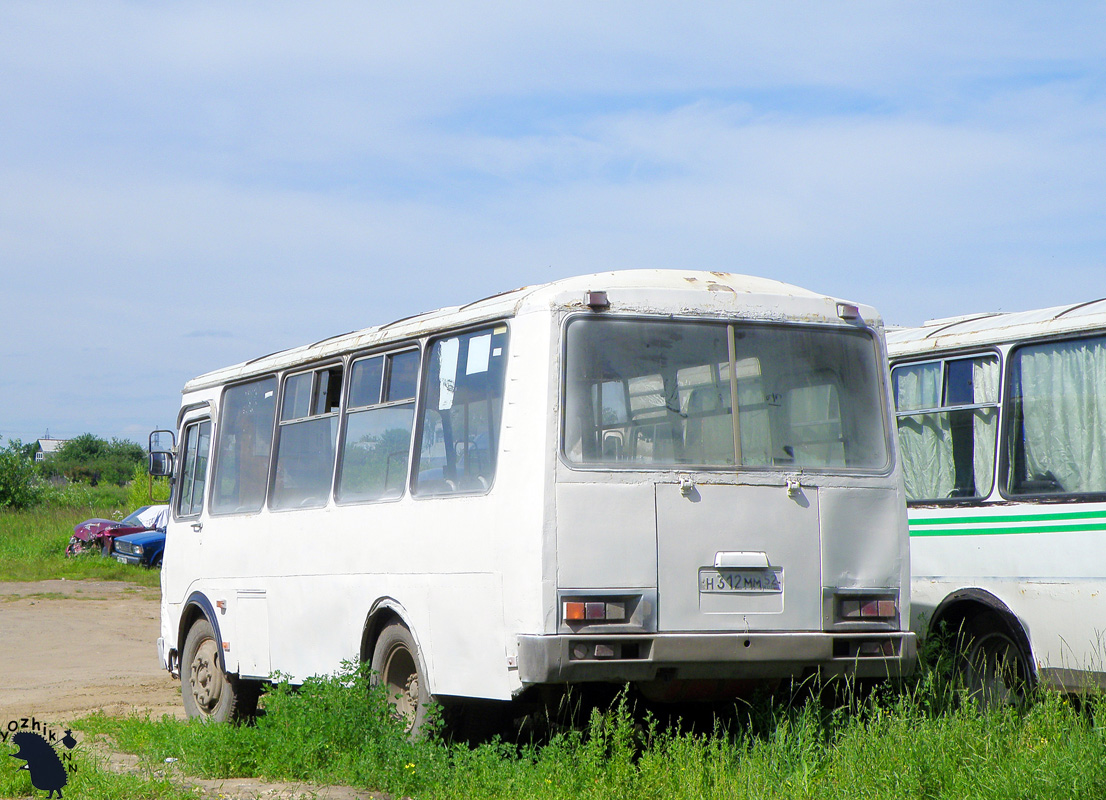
88, 778
916, 742
32, 548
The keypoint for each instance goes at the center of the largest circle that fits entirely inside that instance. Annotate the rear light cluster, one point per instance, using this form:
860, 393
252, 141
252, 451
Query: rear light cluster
865, 608
594, 611
868, 609
605, 612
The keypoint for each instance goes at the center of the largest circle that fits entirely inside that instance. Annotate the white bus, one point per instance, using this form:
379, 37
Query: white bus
1002, 433
546, 487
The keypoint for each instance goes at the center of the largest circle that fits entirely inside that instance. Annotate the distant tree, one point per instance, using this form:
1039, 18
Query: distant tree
19, 484
92, 459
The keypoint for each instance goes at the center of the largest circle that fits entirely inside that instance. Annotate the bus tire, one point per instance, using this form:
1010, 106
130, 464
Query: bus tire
396, 665
210, 694
993, 667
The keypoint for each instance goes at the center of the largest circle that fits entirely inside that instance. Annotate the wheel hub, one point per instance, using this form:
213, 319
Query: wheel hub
205, 677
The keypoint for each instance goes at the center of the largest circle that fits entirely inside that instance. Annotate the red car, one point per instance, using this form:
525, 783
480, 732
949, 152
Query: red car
98, 534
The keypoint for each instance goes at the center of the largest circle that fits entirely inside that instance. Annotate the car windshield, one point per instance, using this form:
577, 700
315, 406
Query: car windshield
134, 519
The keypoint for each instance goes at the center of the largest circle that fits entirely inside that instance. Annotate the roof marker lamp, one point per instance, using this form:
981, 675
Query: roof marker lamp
596, 301
848, 311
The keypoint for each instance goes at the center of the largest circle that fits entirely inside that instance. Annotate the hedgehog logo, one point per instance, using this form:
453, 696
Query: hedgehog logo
47, 771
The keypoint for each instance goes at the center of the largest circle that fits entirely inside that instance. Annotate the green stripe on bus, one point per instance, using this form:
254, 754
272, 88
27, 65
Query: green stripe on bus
993, 531
992, 519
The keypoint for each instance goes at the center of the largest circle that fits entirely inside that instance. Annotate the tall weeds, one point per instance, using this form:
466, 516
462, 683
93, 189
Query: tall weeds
918, 740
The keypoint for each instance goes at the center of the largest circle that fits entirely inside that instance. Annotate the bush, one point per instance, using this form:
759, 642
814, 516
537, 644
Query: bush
20, 486
138, 490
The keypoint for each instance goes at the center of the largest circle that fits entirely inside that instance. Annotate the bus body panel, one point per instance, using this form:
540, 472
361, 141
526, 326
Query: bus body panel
764, 533
481, 578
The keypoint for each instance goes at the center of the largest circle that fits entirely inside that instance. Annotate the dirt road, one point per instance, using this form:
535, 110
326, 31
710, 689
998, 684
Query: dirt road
68, 648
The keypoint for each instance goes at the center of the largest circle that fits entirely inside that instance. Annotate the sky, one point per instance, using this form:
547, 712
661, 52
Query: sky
188, 185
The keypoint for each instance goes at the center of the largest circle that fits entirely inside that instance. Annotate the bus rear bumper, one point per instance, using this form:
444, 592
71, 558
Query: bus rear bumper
714, 656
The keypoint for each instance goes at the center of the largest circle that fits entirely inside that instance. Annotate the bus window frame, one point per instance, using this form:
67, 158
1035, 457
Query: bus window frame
1006, 433
999, 479
185, 427
392, 349
427, 346
283, 379
883, 378
216, 440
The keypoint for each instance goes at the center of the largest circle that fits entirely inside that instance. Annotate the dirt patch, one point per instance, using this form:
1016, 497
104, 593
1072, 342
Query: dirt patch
73, 647
240, 788
69, 648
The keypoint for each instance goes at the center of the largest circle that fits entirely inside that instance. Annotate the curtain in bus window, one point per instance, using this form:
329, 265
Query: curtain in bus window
244, 443
753, 423
815, 421
1059, 393
925, 445
985, 382
461, 412
948, 453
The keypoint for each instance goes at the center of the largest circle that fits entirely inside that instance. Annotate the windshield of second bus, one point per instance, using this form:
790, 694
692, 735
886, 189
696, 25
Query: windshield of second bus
657, 392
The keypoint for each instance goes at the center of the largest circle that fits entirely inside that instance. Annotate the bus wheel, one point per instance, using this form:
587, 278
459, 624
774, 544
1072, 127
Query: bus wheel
395, 663
209, 693
994, 669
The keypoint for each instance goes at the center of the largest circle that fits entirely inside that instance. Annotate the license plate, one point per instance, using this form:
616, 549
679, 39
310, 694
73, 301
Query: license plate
120, 559
713, 580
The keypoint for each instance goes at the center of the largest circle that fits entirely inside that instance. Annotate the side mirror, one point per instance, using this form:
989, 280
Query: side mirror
161, 464
161, 454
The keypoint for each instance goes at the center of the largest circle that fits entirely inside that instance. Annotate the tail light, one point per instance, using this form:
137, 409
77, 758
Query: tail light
594, 611
864, 608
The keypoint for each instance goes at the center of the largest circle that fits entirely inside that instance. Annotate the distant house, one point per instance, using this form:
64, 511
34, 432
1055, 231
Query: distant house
45, 447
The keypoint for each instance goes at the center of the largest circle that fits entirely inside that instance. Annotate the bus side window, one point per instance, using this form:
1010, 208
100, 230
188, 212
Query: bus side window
461, 410
197, 445
1057, 440
947, 426
381, 411
245, 441
308, 431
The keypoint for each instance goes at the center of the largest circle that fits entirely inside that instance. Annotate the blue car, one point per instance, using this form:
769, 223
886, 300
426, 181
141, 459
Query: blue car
145, 548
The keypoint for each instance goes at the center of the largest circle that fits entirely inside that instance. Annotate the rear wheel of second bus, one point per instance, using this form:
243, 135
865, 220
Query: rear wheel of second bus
993, 667
396, 664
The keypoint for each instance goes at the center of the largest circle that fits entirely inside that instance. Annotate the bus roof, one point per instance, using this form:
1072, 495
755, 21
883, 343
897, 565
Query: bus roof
657, 291
973, 330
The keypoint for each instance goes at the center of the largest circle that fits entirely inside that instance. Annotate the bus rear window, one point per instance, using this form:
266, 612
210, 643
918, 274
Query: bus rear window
642, 393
